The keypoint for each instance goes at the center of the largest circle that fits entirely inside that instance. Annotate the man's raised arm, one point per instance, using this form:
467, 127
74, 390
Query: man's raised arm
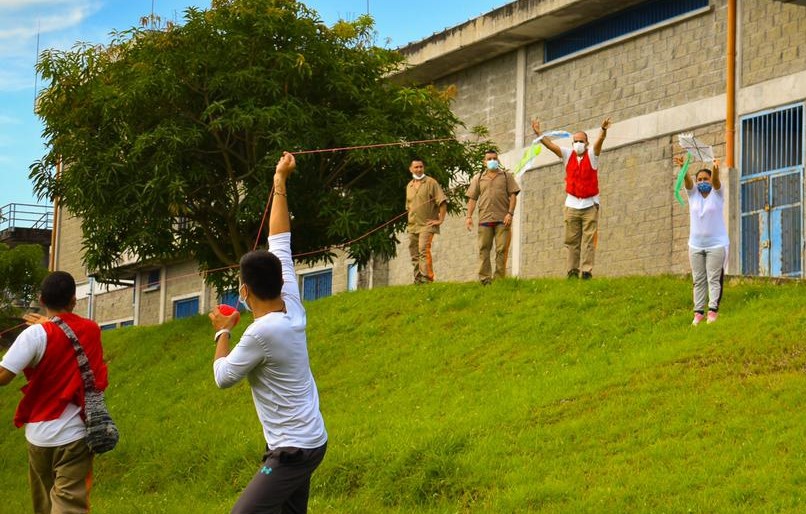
279, 221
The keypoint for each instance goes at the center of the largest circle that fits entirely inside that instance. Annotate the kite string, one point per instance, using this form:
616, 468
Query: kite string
377, 145
268, 207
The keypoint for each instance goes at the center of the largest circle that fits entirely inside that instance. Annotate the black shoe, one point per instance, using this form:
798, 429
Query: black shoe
486, 282
587, 275
574, 273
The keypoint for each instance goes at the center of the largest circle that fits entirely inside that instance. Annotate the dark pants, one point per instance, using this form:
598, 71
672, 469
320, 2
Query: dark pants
282, 483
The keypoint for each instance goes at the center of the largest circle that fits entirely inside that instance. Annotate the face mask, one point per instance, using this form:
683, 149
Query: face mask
492, 164
579, 148
419, 177
704, 187
242, 300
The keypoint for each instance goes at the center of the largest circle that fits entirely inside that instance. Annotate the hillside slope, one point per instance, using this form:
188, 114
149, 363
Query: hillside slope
526, 396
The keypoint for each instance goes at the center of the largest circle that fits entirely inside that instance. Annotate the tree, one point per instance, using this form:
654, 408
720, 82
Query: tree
169, 137
21, 273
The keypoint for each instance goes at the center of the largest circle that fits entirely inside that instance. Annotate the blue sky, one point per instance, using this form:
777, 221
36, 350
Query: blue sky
60, 23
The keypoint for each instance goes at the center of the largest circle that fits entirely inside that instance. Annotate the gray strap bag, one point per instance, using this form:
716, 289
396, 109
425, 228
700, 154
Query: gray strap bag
102, 434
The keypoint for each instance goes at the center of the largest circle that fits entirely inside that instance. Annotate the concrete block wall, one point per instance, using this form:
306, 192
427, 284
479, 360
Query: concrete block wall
773, 40
485, 95
113, 306
70, 251
642, 228
673, 65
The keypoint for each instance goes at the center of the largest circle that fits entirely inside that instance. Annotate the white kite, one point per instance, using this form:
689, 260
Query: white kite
698, 150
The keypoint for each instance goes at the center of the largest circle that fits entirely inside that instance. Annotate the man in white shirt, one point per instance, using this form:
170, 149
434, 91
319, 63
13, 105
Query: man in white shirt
272, 354
581, 212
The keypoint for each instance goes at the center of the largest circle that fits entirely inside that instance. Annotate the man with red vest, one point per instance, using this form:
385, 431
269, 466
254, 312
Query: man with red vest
581, 212
59, 462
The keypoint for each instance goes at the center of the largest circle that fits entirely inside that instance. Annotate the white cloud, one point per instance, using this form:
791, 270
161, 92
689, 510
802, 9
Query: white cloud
20, 4
28, 24
56, 22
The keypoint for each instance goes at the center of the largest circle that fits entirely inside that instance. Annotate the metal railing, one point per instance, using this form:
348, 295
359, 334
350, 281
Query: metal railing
24, 215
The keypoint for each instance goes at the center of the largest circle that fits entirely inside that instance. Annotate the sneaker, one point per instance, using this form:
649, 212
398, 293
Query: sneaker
574, 273
712, 315
587, 275
486, 281
698, 317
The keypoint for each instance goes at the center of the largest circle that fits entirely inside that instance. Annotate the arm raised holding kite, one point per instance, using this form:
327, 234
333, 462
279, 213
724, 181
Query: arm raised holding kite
545, 141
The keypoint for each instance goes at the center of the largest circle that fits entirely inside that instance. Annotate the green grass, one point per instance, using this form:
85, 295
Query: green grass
526, 396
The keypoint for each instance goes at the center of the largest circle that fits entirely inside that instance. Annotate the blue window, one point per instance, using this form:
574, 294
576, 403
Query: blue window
109, 326
127, 323
317, 285
186, 308
231, 298
618, 24
153, 281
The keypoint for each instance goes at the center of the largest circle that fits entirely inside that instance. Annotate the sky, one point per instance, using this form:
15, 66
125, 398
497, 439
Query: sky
61, 23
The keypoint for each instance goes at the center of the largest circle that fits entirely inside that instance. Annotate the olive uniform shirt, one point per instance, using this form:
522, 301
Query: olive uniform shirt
422, 204
492, 194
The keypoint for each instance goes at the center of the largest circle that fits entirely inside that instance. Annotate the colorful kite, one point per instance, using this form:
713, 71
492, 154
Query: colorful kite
535, 149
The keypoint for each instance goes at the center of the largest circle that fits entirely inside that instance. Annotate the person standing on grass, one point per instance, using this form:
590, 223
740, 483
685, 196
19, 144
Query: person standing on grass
59, 461
273, 355
708, 240
581, 211
495, 191
427, 207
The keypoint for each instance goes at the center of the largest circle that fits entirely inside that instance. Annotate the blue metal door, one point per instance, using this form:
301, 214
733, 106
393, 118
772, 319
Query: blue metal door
771, 193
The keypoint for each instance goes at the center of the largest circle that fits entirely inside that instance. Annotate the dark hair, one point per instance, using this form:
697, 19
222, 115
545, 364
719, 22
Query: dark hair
57, 290
262, 273
706, 170
490, 150
416, 159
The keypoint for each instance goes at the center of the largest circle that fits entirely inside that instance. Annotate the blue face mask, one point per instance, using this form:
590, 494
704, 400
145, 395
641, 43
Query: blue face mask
242, 300
704, 187
492, 164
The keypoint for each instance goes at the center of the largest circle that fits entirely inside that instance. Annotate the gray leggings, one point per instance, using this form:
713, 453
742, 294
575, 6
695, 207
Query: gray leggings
707, 271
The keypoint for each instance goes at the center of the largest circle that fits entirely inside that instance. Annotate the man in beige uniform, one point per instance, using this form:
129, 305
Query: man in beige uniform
495, 191
427, 206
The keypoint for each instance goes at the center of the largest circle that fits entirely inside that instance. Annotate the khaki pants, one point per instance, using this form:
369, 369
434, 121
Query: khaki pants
61, 478
501, 235
420, 250
580, 237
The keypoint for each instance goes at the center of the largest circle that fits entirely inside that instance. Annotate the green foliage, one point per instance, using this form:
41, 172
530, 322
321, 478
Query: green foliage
169, 138
525, 396
21, 272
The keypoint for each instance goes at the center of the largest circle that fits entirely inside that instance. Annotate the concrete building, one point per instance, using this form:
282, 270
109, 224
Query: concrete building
733, 73
658, 68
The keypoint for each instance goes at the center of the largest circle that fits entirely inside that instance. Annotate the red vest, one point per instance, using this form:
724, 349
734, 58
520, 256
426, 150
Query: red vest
580, 177
56, 381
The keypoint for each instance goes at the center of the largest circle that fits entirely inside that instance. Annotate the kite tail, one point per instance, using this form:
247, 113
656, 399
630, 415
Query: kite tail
681, 178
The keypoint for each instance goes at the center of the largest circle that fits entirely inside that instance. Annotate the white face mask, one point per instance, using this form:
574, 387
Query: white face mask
492, 164
579, 148
242, 300
418, 177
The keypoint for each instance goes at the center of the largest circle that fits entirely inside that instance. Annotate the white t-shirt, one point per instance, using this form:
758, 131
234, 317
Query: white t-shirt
571, 200
27, 350
707, 224
273, 355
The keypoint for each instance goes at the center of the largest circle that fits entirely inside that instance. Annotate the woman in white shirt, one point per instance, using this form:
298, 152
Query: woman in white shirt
708, 240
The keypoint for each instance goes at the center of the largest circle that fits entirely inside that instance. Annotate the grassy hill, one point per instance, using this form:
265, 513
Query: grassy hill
526, 396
